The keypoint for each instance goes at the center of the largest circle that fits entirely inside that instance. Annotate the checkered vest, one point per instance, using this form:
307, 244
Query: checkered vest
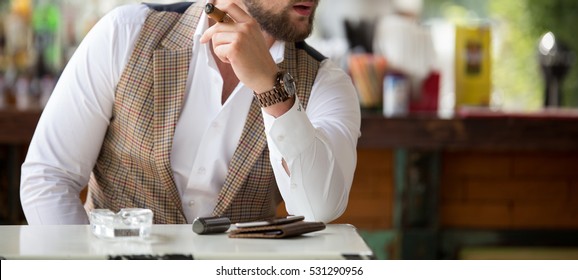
133, 168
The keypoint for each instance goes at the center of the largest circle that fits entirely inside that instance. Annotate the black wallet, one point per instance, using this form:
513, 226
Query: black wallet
278, 228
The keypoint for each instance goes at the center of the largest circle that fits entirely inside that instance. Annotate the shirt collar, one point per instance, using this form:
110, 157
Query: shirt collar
278, 51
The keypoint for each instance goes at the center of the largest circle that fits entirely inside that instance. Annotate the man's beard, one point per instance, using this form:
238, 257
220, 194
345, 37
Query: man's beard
279, 25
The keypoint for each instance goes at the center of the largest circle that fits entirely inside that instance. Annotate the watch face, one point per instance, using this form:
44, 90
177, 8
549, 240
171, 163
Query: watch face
289, 84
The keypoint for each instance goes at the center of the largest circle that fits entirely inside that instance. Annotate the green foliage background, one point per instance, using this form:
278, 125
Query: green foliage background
519, 24
517, 78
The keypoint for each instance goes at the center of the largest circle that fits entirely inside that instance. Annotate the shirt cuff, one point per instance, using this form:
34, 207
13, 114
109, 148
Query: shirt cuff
291, 133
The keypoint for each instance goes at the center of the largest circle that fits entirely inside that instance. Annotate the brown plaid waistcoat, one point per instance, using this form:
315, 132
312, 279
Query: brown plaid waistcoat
133, 168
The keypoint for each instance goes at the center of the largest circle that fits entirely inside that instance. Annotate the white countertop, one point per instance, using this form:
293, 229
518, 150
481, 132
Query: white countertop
337, 241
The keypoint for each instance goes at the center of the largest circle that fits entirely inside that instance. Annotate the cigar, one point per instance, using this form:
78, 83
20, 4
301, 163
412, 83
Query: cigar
216, 14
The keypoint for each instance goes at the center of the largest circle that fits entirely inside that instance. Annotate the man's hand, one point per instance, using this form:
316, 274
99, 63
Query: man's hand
242, 44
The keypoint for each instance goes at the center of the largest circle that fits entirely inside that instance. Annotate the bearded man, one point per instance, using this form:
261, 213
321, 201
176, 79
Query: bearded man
163, 108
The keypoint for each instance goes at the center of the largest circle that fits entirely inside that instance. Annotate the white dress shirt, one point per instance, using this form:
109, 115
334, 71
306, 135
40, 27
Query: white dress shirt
319, 145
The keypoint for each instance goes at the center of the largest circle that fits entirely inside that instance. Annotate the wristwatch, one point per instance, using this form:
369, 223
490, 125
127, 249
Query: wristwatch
284, 89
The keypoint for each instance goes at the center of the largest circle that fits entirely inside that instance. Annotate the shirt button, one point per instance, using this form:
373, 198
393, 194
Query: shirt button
293, 186
215, 125
191, 203
280, 138
202, 171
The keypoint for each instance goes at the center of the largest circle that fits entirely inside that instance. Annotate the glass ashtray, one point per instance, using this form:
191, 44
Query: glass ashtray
127, 223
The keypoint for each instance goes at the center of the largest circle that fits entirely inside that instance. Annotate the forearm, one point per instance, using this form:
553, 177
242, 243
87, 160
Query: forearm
318, 187
59, 162
50, 202
320, 160
60, 159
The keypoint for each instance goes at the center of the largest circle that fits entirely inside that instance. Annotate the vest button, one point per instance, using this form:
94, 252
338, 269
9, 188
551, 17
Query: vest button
201, 171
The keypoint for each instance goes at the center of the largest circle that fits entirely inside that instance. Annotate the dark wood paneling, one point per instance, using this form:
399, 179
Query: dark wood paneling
17, 126
502, 132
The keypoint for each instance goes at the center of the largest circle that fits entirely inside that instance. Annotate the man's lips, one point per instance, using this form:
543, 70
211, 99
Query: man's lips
304, 8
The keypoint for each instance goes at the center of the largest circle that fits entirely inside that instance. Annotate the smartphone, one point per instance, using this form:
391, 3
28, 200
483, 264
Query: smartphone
276, 221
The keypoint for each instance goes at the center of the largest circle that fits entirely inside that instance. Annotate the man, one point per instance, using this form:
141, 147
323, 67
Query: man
162, 108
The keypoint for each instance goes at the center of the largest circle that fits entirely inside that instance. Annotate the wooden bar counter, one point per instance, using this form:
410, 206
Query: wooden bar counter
17, 126
16, 130
542, 130
546, 130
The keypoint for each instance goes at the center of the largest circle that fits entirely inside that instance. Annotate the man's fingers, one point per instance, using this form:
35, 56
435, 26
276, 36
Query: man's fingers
220, 43
229, 14
236, 13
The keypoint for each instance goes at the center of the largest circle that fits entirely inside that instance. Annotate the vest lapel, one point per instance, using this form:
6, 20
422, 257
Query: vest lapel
171, 67
251, 145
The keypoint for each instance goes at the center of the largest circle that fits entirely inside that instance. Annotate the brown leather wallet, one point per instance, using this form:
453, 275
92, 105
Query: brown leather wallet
277, 231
